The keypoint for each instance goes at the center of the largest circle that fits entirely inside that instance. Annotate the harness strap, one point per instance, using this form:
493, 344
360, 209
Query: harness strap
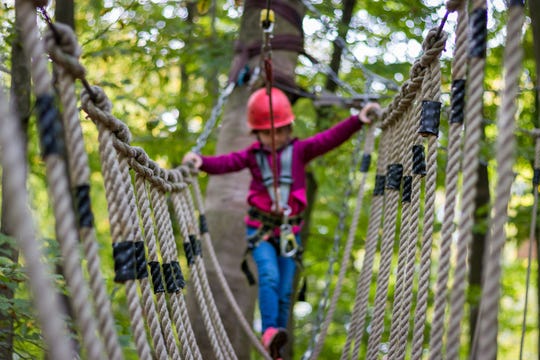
285, 177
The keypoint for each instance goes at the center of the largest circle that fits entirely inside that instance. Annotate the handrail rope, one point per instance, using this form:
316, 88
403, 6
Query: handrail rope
430, 123
189, 211
153, 260
66, 228
118, 218
491, 287
343, 45
44, 295
64, 46
472, 141
219, 271
532, 239
364, 167
453, 166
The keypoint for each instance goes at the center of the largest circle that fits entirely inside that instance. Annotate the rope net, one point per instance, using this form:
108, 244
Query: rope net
146, 202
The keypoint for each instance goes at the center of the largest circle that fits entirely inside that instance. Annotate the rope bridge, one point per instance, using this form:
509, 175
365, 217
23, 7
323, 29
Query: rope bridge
146, 254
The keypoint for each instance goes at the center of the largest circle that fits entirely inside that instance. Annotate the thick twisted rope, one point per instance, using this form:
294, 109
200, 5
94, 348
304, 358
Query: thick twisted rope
451, 186
387, 246
44, 295
473, 133
56, 172
433, 94
169, 254
207, 315
368, 148
360, 308
225, 342
150, 239
209, 250
67, 48
491, 287
402, 285
119, 209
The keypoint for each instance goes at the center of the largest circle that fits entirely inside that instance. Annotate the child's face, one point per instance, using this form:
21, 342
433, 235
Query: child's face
282, 136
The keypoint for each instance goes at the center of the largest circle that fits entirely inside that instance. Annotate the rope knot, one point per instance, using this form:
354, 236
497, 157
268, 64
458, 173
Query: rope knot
64, 49
101, 101
433, 46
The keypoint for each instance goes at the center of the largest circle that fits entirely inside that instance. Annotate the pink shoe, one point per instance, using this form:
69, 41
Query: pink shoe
273, 340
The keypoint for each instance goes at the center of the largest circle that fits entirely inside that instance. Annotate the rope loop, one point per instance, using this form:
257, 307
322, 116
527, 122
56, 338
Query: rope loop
433, 45
64, 49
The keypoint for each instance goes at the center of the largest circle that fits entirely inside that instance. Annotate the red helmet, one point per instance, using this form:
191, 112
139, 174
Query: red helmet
258, 108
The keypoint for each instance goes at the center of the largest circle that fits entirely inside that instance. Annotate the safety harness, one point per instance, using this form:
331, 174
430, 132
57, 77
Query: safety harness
285, 244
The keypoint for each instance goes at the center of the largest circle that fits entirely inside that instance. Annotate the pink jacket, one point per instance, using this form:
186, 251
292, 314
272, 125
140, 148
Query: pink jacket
303, 151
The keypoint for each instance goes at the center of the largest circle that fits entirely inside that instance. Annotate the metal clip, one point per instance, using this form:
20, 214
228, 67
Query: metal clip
287, 240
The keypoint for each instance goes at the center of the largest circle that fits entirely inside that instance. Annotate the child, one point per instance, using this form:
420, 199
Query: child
274, 221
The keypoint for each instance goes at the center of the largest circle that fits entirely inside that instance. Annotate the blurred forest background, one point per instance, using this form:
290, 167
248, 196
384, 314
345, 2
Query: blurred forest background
164, 64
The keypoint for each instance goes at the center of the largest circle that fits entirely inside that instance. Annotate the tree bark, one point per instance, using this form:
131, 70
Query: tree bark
226, 195
20, 103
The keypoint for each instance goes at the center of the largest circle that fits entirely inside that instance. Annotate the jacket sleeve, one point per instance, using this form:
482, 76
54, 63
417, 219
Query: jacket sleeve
329, 139
222, 164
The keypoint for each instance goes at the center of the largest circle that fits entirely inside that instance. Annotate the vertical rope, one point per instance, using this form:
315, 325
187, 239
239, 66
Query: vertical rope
199, 265
360, 308
489, 308
393, 184
44, 294
451, 186
209, 250
80, 173
169, 254
433, 93
119, 210
146, 293
473, 134
59, 185
159, 291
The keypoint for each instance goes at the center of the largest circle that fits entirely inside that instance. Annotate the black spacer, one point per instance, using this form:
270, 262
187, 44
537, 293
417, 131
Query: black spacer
157, 280
140, 260
169, 278
203, 224
380, 181
458, 101
48, 125
516, 3
83, 205
195, 245
536, 177
178, 276
419, 160
394, 174
430, 118
407, 189
189, 253
478, 33
366, 161
124, 261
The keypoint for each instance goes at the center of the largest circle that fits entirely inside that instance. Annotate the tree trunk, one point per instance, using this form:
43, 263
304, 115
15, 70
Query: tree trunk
226, 195
20, 102
534, 12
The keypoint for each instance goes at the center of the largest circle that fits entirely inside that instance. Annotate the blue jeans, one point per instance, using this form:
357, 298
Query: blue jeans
276, 275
